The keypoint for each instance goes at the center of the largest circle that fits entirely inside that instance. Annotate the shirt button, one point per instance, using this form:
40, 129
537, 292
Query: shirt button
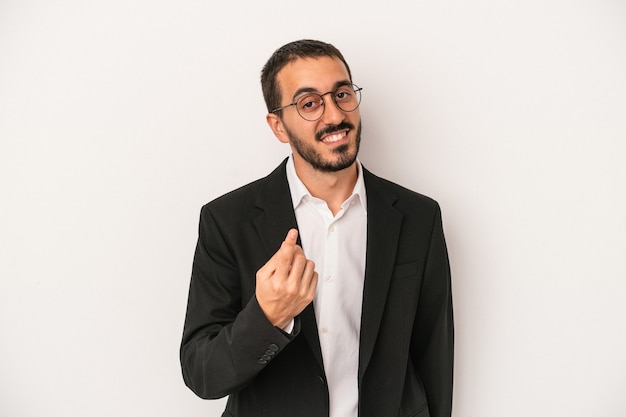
329, 278
331, 229
324, 329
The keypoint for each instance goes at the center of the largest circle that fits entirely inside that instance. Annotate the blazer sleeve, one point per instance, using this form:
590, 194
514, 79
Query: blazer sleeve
227, 340
433, 335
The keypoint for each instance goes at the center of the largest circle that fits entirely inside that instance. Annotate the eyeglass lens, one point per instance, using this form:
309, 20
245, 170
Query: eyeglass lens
311, 105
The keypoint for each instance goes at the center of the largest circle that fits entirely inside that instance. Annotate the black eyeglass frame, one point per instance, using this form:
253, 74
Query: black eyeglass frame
355, 87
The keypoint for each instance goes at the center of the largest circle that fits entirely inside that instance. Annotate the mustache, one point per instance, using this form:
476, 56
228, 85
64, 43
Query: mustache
332, 129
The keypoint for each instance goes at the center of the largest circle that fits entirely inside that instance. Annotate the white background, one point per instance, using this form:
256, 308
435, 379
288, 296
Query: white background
119, 119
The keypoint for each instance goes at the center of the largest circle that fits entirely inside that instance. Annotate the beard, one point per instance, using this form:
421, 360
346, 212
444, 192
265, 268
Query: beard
345, 155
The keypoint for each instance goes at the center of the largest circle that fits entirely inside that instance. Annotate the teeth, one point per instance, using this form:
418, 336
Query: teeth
334, 138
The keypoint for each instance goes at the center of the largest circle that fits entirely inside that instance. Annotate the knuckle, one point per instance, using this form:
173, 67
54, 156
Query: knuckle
298, 254
286, 254
290, 291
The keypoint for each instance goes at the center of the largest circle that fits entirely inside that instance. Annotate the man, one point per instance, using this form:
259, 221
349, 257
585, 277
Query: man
321, 289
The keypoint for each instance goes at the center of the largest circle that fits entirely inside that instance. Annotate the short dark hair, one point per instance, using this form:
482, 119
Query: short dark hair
305, 48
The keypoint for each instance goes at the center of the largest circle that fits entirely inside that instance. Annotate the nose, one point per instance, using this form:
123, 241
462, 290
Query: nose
333, 115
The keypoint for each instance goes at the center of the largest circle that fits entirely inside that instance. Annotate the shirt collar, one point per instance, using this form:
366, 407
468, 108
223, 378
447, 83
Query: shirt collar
299, 190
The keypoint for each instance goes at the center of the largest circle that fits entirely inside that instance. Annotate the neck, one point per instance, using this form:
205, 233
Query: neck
332, 187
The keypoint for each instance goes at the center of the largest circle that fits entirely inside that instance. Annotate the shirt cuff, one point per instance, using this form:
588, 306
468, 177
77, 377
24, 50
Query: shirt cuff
289, 327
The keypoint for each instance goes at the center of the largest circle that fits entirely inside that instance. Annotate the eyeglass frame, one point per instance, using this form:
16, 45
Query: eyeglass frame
355, 87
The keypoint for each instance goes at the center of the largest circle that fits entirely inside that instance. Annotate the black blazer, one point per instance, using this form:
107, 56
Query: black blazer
406, 347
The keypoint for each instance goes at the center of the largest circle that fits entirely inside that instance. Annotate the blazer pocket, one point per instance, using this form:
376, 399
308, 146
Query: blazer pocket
405, 270
422, 412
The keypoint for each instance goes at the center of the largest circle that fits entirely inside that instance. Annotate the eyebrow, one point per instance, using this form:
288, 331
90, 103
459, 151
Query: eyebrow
303, 90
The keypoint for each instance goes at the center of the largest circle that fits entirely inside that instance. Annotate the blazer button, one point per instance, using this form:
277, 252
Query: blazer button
270, 352
322, 380
261, 361
266, 358
273, 347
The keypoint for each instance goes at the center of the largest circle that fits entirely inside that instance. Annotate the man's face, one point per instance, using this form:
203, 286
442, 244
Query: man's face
331, 143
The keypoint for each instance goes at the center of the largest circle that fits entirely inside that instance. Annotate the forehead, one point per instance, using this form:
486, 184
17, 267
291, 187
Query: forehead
318, 74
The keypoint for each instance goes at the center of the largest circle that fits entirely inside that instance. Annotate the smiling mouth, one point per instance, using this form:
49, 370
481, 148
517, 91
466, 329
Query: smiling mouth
335, 137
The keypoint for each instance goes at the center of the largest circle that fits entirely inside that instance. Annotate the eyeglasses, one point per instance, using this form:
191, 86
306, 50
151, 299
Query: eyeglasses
310, 106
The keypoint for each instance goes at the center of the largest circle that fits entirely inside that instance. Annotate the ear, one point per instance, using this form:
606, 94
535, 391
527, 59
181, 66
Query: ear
277, 127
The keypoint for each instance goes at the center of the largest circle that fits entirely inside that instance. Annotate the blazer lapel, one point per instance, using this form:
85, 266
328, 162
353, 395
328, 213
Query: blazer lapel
383, 228
274, 220
276, 216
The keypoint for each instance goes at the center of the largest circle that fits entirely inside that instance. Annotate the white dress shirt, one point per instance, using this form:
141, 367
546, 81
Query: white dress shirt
337, 244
